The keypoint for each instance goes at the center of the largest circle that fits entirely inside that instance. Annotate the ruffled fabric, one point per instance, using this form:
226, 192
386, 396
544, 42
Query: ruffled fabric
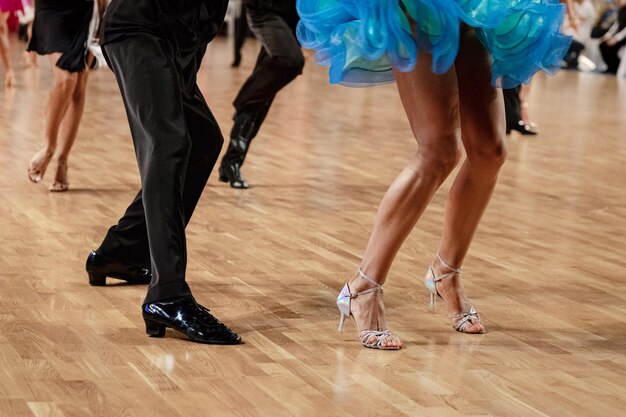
363, 40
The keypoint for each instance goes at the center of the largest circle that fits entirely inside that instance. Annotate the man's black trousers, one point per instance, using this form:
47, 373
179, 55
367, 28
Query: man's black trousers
177, 141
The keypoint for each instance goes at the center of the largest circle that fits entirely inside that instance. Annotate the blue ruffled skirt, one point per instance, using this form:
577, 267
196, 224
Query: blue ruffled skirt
363, 40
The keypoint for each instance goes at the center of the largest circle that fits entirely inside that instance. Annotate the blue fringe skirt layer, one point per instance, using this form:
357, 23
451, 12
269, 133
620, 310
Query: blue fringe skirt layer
363, 40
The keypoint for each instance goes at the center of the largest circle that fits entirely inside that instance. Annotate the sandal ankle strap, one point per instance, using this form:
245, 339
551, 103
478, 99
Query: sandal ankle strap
454, 271
377, 286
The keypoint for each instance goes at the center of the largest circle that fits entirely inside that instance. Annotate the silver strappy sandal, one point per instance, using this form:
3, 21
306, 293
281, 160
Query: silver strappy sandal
463, 321
372, 339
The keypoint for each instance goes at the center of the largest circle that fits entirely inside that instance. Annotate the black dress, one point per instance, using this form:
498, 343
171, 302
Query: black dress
62, 26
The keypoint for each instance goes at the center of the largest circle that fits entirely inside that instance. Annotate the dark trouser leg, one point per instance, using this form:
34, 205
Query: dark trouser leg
278, 63
571, 58
512, 107
128, 240
245, 128
176, 142
241, 32
610, 56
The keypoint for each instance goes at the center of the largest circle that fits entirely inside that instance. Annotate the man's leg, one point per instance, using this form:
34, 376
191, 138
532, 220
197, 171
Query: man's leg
241, 32
512, 107
610, 57
167, 124
128, 240
162, 147
279, 62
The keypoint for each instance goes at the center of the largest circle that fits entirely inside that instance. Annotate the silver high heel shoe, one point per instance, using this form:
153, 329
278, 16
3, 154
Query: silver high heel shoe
462, 321
372, 339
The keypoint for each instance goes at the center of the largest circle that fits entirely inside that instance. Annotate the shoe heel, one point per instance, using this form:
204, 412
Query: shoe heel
342, 320
154, 329
97, 280
433, 300
223, 178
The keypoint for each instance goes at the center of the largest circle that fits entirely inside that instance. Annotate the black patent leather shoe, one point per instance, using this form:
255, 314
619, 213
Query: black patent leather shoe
189, 318
100, 267
232, 175
522, 128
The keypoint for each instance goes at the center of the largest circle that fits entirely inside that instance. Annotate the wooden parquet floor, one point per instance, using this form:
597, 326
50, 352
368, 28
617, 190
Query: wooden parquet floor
547, 270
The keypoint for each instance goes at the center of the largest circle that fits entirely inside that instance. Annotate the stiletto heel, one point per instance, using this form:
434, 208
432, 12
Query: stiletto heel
97, 280
462, 321
342, 320
154, 329
372, 339
433, 301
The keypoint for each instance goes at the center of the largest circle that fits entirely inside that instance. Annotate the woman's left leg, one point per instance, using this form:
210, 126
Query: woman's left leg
67, 132
482, 133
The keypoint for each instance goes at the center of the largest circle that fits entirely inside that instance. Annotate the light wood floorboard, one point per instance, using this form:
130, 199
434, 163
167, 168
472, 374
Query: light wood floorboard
546, 270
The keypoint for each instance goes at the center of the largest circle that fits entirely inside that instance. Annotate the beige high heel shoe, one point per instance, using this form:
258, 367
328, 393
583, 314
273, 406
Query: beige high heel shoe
60, 183
372, 339
463, 322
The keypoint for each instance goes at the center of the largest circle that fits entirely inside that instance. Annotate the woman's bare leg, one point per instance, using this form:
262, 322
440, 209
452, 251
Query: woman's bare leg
58, 102
482, 126
431, 104
30, 58
69, 129
5, 58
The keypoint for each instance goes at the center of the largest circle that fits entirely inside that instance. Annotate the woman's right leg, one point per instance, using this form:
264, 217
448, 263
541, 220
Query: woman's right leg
482, 121
58, 103
9, 77
432, 107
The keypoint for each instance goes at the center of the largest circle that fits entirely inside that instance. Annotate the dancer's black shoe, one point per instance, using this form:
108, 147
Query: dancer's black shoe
232, 175
100, 267
522, 128
189, 318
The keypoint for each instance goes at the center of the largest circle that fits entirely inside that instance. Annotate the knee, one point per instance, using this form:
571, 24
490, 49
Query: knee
441, 152
66, 81
490, 155
290, 66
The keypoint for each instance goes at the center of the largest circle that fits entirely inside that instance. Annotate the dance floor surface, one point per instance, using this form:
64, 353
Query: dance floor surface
546, 271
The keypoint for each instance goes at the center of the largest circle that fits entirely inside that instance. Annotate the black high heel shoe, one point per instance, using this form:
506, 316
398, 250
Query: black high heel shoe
100, 267
232, 175
522, 128
188, 317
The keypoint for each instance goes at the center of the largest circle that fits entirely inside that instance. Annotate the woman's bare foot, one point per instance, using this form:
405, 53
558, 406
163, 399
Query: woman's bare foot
61, 182
453, 294
39, 163
368, 311
9, 79
30, 59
